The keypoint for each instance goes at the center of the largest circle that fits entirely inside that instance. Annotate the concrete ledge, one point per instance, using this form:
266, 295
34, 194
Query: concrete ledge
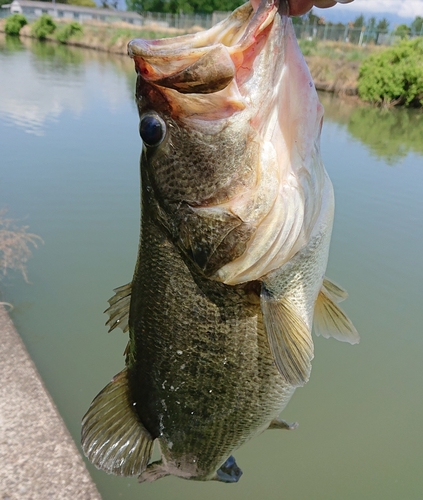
38, 458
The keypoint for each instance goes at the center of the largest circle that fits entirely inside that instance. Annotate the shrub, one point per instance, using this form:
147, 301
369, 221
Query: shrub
15, 243
394, 76
43, 27
67, 31
14, 24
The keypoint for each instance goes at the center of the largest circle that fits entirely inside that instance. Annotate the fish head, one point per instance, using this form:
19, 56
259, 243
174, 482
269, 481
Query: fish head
230, 123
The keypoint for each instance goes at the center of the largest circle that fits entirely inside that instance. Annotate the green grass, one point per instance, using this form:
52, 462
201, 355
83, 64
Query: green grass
336, 50
129, 34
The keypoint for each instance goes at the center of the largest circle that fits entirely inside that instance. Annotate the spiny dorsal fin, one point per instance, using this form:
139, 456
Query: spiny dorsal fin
329, 319
334, 291
289, 339
112, 437
119, 308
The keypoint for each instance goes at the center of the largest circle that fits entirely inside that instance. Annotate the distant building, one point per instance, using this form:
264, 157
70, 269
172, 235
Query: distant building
33, 9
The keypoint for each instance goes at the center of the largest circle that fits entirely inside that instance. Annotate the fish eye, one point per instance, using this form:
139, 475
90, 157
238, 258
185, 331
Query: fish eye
152, 129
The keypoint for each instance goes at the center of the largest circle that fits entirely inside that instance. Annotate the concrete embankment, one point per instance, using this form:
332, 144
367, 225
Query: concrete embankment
39, 460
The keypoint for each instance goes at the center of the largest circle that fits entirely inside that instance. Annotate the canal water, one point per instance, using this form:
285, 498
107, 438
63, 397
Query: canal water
69, 152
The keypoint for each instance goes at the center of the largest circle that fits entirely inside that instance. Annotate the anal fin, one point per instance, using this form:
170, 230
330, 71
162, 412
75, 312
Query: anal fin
329, 319
289, 338
113, 438
229, 472
118, 310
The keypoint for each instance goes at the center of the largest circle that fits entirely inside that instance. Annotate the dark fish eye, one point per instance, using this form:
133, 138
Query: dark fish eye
152, 129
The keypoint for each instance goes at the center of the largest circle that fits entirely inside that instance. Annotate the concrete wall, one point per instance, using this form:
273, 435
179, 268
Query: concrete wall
38, 457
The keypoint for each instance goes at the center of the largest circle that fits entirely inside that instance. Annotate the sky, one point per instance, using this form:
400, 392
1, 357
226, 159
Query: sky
397, 11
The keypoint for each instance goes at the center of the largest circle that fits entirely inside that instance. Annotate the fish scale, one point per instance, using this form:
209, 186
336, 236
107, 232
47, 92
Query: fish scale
236, 220
224, 372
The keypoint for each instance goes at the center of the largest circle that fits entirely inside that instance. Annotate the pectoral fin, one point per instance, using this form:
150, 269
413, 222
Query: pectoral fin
119, 308
278, 423
113, 438
329, 319
289, 338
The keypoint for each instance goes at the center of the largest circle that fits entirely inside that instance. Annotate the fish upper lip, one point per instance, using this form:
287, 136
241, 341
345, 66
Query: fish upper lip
158, 59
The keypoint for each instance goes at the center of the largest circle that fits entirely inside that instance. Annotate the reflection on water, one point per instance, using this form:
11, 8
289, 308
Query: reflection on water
59, 77
11, 43
69, 169
389, 134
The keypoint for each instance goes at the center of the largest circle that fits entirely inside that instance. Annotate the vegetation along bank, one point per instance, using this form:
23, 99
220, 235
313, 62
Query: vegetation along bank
385, 76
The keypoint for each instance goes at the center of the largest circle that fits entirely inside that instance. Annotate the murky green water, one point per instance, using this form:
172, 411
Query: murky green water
69, 150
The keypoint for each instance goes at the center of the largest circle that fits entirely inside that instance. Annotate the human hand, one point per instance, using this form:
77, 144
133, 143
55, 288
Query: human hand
299, 7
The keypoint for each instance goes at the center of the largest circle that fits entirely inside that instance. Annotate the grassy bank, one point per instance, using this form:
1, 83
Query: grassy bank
106, 37
333, 65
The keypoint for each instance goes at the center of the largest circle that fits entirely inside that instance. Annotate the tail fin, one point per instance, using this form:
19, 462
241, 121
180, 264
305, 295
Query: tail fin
113, 438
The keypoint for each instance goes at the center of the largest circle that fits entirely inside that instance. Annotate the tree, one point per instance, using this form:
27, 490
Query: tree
82, 3
417, 26
177, 6
312, 18
371, 25
297, 20
184, 6
383, 25
359, 21
403, 31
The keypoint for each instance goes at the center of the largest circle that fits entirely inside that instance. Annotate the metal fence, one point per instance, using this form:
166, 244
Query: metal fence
183, 21
357, 36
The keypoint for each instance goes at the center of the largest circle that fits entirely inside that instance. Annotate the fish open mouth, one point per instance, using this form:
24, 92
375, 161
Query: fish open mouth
207, 62
243, 82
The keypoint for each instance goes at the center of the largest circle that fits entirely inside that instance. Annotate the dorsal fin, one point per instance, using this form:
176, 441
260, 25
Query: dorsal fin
113, 438
119, 308
289, 338
329, 319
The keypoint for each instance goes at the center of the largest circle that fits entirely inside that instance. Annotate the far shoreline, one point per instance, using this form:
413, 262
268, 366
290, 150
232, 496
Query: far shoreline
335, 75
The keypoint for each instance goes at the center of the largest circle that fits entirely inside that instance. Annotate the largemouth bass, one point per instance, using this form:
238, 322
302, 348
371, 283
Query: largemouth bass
237, 213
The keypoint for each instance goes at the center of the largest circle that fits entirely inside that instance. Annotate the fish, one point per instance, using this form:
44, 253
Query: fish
236, 220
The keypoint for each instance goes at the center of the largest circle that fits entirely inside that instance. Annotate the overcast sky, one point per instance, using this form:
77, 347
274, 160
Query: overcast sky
378, 8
